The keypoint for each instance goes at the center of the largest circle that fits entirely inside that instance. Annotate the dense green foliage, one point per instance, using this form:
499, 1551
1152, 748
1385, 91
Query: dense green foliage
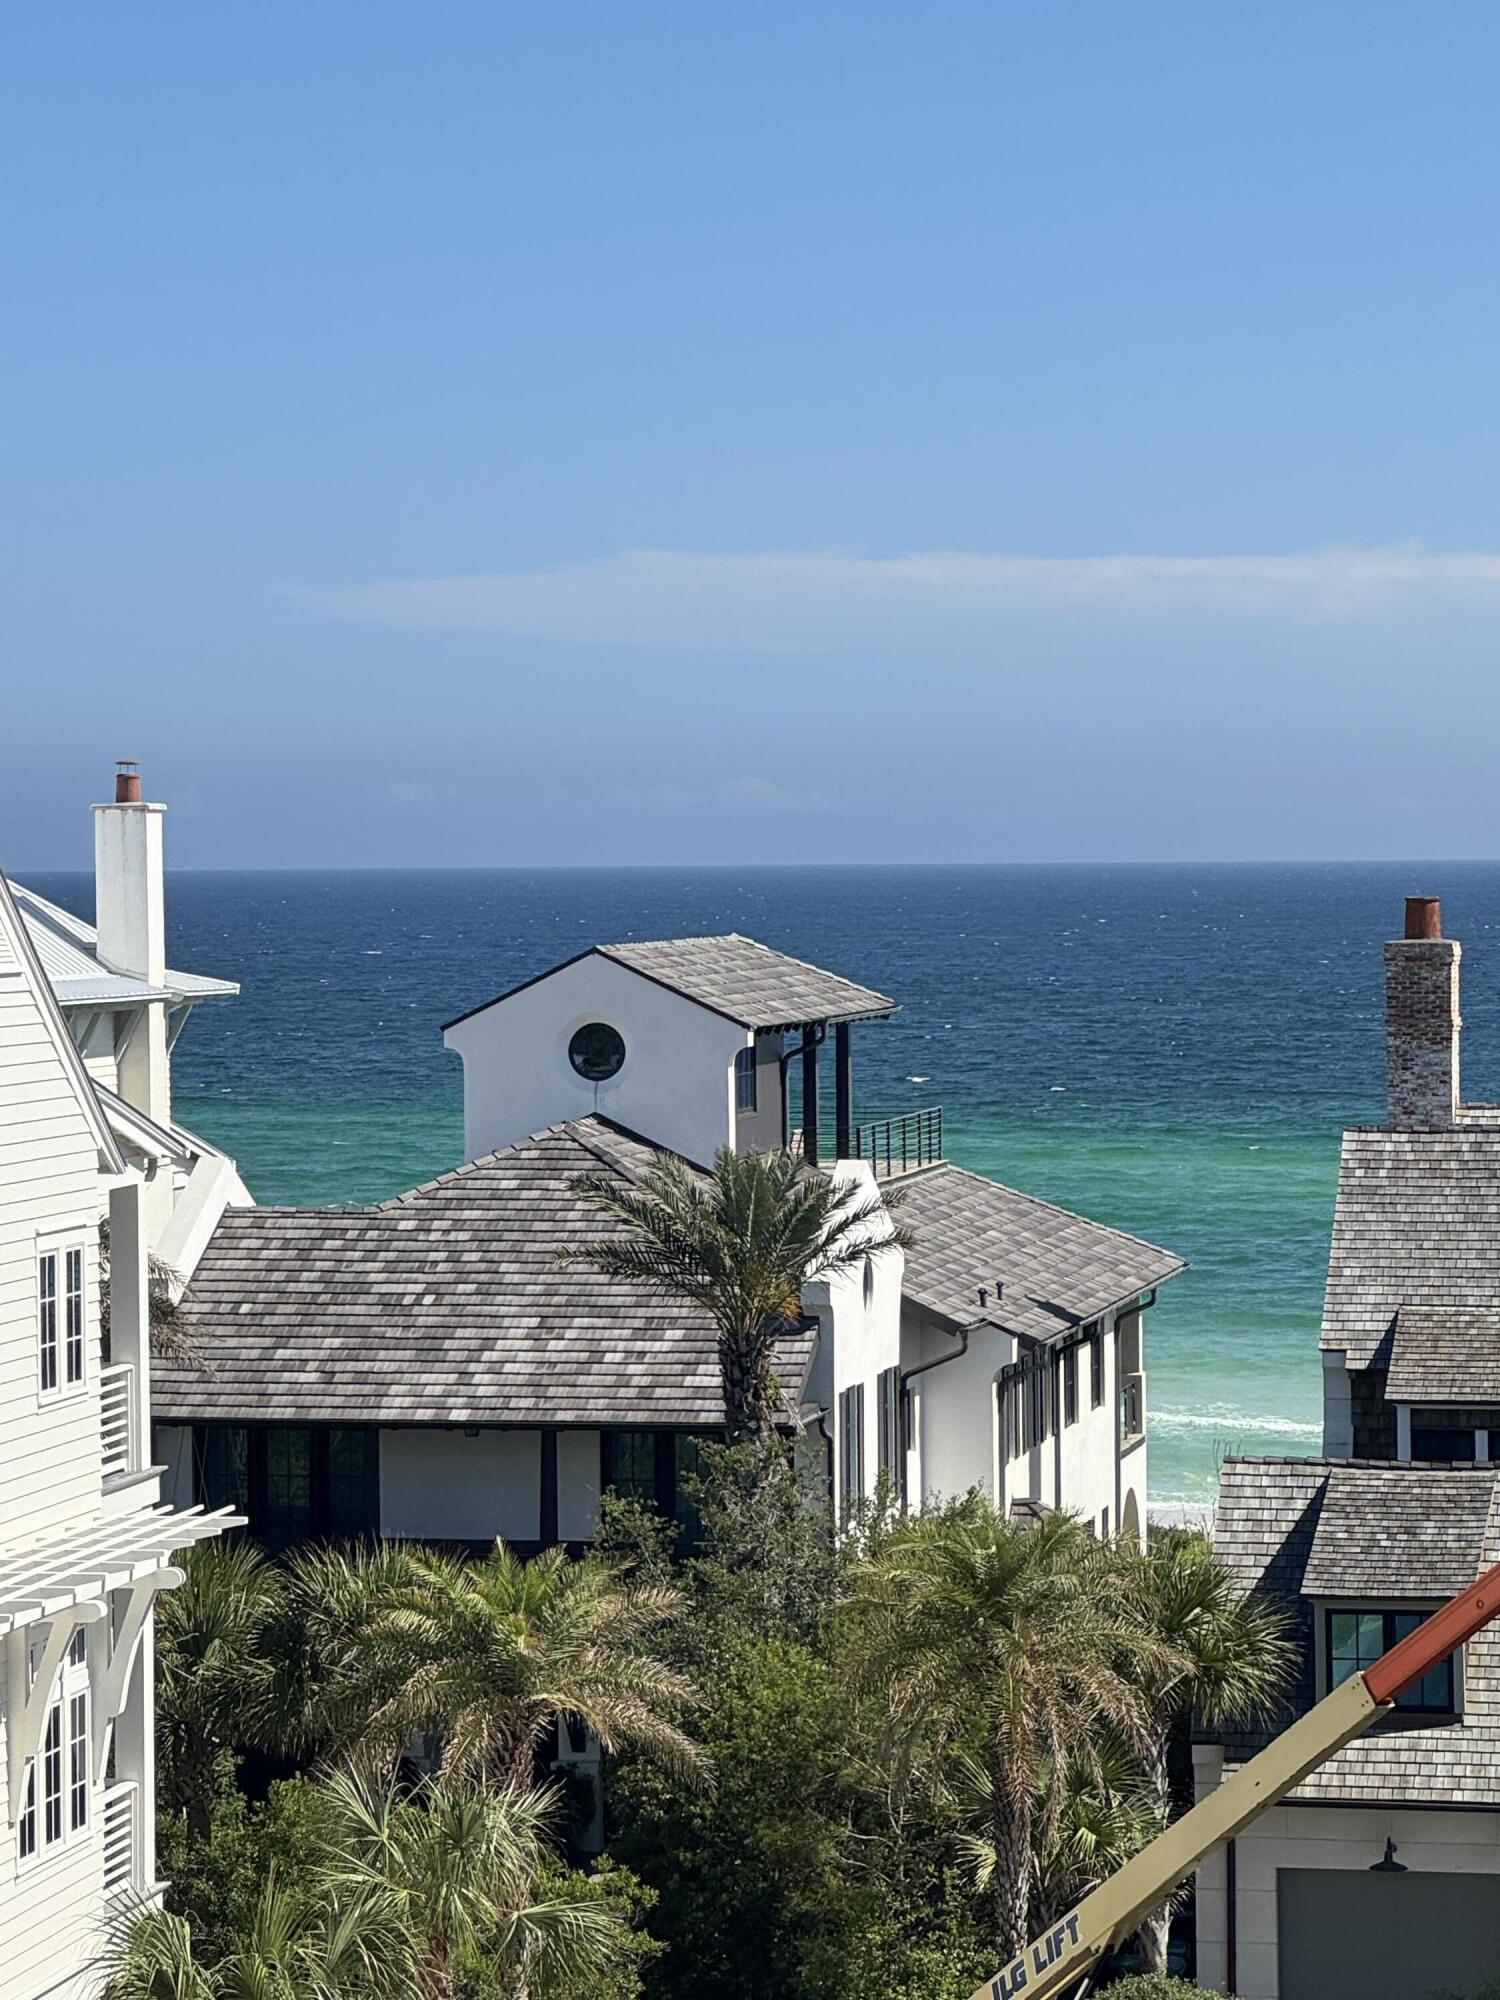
847, 1767
1158, 1986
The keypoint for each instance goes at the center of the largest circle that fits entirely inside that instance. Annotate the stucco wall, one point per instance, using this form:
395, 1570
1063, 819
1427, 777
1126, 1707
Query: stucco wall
759, 1131
675, 1087
445, 1485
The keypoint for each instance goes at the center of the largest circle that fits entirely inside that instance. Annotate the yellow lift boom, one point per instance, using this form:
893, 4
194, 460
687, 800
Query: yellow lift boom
1063, 1959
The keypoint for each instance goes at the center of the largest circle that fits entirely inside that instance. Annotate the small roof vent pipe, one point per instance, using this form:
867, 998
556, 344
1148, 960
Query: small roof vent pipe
1424, 917
128, 782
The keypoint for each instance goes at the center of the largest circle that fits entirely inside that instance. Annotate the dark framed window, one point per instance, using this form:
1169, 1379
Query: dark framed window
353, 1483
597, 1051
687, 1469
295, 1483
1096, 1367
78, 1761
1070, 1385
851, 1445
1448, 1447
888, 1423
46, 1318
1356, 1639
630, 1465
745, 1080
655, 1469
73, 1316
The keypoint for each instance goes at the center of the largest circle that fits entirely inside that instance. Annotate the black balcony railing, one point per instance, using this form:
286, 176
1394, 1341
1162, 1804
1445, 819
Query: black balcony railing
900, 1145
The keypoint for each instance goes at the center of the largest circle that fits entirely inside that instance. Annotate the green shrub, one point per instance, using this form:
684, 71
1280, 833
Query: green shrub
1158, 1986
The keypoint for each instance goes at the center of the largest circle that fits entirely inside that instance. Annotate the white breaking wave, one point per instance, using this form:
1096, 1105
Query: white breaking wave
1231, 1421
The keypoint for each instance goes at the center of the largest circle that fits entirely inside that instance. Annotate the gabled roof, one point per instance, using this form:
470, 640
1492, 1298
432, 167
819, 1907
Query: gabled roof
746, 982
447, 1306
1445, 1354
1416, 1223
69, 952
16, 944
1058, 1270
1301, 1531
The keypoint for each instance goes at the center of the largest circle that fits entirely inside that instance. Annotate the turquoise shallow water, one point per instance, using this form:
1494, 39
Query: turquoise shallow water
1173, 1050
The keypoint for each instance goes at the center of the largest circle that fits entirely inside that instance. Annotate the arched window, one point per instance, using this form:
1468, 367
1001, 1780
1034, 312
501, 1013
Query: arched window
745, 1081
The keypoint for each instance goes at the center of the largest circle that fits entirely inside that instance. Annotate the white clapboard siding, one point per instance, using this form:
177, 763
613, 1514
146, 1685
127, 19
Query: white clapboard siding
52, 1910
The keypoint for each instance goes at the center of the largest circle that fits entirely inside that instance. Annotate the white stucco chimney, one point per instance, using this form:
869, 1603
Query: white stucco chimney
1422, 1022
130, 913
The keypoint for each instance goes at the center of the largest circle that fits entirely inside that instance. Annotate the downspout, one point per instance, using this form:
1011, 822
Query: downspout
1231, 1918
828, 1444
909, 1375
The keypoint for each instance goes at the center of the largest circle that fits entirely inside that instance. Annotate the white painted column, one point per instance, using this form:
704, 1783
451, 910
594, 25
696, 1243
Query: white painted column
1338, 1406
1403, 1432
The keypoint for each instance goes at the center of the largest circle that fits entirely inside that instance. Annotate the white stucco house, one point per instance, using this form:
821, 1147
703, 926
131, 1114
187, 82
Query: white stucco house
424, 1368
86, 1542
1381, 1872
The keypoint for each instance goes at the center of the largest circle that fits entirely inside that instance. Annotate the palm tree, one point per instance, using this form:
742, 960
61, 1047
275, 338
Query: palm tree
412, 1895
984, 1634
1211, 1650
462, 1866
1104, 1815
486, 1655
215, 1677
741, 1243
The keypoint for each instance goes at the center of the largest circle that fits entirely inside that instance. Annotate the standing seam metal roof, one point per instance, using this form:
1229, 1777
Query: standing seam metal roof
69, 951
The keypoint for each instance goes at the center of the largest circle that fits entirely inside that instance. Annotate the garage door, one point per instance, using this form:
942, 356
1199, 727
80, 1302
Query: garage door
1358, 1936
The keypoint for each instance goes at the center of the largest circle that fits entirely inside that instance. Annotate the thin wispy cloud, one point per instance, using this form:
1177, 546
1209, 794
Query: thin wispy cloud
791, 601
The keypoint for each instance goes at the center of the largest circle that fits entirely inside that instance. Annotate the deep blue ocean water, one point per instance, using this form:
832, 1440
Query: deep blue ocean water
1170, 1049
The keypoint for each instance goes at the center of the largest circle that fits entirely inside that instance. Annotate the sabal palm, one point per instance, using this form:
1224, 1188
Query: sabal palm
322, 1939
487, 1654
1225, 1656
981, 1632
740, 1242
215, 1678
463, 1865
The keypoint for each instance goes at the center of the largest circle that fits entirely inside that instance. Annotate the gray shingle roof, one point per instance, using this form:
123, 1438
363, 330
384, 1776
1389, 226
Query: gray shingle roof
1445, 1354
1059, 1270
446, 1306
1379, 1537
1417, 1222
1296, 1529
749, 982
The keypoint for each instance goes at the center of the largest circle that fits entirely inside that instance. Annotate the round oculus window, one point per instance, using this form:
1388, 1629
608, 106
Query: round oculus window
597, 1051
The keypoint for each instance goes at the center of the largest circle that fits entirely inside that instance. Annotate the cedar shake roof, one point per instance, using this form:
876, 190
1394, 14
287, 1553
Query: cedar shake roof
1445, 1354
734, 976
1416, 1223
1378, 1538
447, 1306
1303, 1530
1059, 1270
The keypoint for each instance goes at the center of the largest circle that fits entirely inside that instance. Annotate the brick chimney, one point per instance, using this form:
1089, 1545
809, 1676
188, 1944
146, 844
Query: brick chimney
130, 912
1422, 1023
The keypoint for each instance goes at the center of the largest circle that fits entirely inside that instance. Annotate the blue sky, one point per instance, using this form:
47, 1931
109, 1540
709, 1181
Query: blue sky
578, 433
